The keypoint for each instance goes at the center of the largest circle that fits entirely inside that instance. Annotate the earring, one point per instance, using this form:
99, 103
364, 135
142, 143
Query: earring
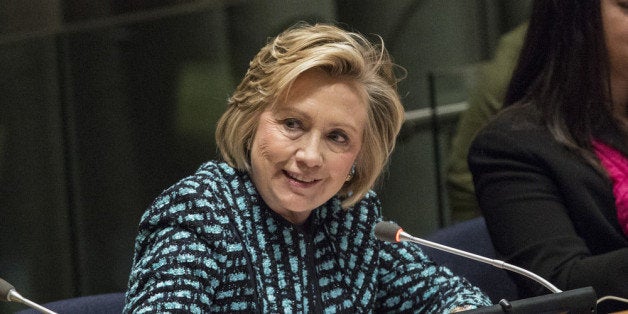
351, 173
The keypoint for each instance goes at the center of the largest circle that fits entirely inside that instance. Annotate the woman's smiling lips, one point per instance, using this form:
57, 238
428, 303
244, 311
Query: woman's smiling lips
301, 181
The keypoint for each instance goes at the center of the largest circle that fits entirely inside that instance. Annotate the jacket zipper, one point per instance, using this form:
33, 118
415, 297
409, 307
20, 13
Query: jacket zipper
311, 266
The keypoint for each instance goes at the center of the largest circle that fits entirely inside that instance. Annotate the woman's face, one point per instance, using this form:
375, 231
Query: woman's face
615, 19
304, 147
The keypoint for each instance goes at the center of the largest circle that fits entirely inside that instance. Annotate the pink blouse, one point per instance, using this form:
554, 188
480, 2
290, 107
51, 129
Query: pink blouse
616, 164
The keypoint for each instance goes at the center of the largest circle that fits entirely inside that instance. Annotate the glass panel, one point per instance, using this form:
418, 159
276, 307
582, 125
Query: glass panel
33, 198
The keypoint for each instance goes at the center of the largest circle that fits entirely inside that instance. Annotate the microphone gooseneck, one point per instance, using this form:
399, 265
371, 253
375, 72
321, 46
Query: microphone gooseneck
9, 294
390, 232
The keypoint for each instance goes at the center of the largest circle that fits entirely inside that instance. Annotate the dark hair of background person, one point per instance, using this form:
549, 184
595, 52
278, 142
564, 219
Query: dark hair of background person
563, 69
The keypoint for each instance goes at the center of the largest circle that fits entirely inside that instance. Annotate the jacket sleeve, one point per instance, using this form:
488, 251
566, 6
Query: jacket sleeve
544, 207
175, 267
409, 280
168, 274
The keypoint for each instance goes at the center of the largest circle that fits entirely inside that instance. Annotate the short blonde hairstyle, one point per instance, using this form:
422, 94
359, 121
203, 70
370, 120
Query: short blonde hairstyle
338, 53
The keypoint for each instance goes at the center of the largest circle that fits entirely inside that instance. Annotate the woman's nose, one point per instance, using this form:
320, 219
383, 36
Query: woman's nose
310, 152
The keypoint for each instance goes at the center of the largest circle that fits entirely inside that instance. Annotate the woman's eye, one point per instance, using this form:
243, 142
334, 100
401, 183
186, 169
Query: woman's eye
292, 123
338, 137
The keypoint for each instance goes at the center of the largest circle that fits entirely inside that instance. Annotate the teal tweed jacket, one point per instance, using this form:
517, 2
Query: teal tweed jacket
210, 244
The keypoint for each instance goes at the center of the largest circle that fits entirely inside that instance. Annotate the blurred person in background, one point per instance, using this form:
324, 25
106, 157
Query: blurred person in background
550, 170
486, 98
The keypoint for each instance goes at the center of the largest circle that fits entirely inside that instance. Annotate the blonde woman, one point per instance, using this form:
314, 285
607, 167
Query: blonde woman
284, 224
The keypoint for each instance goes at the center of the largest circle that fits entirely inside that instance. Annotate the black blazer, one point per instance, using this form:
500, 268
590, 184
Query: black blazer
547, 210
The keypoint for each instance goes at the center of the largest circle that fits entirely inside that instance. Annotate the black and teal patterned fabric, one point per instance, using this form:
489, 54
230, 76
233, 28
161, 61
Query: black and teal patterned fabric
210, 244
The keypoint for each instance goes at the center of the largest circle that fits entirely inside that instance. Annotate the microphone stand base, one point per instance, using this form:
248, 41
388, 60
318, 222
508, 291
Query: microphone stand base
581, 300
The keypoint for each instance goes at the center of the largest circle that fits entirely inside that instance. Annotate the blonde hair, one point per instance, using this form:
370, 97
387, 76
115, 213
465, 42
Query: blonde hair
338, 53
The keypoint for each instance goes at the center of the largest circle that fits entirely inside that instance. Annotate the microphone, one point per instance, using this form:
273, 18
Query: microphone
581, 300
9, 294
391, 232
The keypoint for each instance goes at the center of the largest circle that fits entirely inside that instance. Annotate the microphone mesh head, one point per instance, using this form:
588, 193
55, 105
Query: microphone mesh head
387, 231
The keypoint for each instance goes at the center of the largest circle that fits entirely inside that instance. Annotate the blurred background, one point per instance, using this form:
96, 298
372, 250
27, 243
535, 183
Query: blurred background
103, 104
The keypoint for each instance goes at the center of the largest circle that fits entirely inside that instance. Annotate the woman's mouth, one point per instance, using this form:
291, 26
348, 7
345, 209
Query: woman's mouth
299, 178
